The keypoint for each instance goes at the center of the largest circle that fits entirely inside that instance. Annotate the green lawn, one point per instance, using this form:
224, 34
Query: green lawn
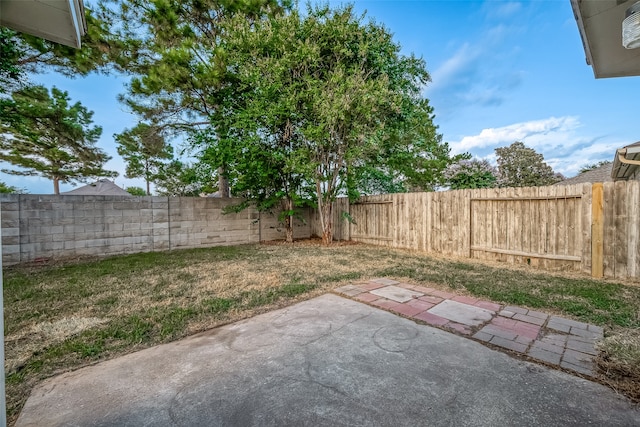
63, 316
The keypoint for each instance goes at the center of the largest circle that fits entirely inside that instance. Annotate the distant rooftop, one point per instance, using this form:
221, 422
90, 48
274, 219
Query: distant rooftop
601, 174
102, 187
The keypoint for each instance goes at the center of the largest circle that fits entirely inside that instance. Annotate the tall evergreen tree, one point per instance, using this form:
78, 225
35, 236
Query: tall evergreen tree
177, 60
46, 135
145, 151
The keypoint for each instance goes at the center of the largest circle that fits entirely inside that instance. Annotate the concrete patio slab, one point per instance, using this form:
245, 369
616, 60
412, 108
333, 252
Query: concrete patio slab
326, 361
396, 293
462, 313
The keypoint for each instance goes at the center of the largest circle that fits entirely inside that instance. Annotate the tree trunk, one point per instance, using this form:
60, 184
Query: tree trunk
56, 186
327, 231
289, 231
289, 221
223, 183
148, 189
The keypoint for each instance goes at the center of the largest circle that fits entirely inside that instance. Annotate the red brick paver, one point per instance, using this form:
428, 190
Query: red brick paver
366, 297
549, 339
418, 303
431, 319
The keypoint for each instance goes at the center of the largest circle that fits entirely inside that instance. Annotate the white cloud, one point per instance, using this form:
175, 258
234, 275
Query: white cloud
496, 137
558, 139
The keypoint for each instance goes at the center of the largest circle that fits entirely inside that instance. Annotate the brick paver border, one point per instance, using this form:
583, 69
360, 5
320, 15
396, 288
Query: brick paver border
552, 340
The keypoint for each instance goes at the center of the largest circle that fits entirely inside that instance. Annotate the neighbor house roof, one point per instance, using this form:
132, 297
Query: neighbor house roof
622, 168
61, 21
102, 187
601, 174
600, 26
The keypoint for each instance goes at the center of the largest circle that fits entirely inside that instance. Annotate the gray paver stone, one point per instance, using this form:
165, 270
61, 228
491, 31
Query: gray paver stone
596, 329
345, 288
577, 358
558, 326
499, 332
482, 336
586, 370
538, 314
506, 313
352, 293
529, 319
569, 322
462, 313
581, 346
550, 347
524, 340
555, 339
508, 344
584, 333
545, 356
515, 309
396, 293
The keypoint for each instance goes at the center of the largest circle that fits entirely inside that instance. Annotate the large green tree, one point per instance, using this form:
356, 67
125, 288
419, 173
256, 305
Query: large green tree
177, 60
522, 166
145, 151
410, 156
323, 98
44, 134
472, 173
257, 138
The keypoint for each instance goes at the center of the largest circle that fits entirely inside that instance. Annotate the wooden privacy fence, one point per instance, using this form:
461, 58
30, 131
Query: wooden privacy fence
592, 228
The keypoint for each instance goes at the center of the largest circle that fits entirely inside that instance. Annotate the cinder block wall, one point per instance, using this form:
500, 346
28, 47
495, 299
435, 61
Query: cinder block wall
49, 226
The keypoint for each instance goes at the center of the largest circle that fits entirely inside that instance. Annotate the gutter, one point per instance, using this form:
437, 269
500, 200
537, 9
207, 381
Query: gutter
621, 159
622, 155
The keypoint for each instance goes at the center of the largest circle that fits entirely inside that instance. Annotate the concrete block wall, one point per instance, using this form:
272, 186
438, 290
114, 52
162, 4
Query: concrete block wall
50, 226
272, 229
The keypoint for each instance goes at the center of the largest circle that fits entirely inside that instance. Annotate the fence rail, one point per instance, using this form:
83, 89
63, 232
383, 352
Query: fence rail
591, 228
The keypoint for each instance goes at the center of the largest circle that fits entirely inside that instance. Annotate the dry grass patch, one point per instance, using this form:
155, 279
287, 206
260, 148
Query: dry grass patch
66, 315
619, 359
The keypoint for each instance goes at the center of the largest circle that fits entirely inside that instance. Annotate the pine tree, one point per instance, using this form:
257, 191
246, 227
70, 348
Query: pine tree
144, 149
46, 135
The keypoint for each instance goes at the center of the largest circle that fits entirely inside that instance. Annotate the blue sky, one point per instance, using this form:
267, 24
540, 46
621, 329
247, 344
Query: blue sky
501, 72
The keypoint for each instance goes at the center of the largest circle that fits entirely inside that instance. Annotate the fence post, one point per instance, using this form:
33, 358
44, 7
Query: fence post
597, 231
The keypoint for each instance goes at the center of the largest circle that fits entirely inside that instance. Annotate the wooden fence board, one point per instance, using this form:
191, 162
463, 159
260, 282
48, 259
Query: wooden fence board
608, 214
621, 226
546, 227
633, 215
585, 226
